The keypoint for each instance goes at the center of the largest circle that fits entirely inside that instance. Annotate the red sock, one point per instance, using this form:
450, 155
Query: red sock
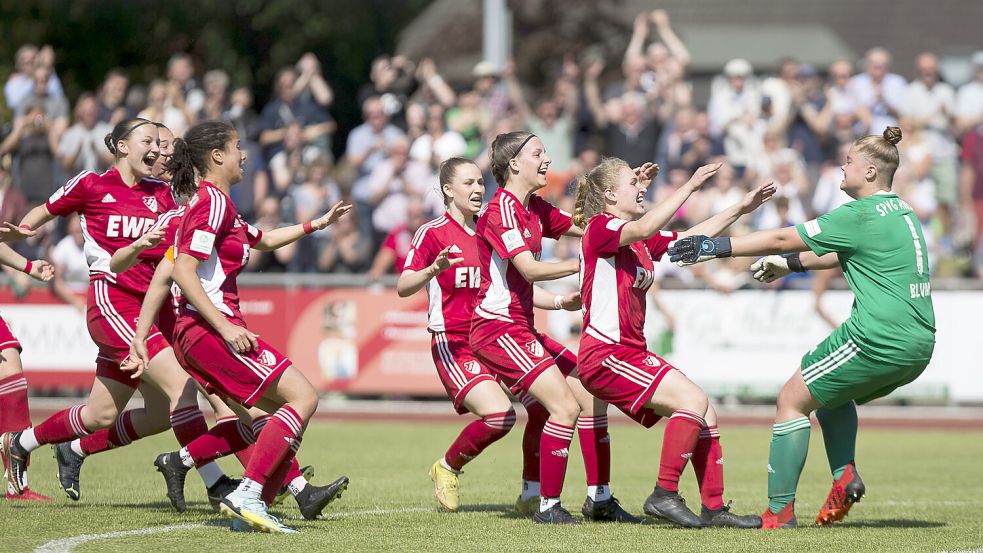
119, 434
595, 444
682, 433
63, 426
708, 463
477, 436
278, 441
532, 436
14, 413
227, 436
245, 455
188, 423
282, 474
553, 454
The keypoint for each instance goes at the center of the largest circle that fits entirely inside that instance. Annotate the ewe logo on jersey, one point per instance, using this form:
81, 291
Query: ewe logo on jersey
467, 277
126, 226
535, 348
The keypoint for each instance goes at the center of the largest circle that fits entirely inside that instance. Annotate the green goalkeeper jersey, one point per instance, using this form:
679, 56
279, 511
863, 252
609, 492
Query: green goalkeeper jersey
882, 251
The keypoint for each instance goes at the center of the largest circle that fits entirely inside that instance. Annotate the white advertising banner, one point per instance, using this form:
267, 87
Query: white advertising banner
54, 337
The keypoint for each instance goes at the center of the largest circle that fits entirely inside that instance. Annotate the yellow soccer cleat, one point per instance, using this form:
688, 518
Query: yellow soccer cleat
445, 487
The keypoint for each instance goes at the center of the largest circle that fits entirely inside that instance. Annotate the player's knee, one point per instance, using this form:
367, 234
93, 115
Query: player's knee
565, 412
99, 417
500, 422
305, 403
695, 401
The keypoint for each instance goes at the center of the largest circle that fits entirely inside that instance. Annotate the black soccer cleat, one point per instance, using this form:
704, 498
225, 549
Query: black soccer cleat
313, 499
723, 518
554, 515
14, 461
174, 471
670, 506
69, 468
608, 510
218, 490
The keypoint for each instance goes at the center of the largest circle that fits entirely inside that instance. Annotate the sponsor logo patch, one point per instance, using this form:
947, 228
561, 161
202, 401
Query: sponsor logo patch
108, 199
512, 239
202, 242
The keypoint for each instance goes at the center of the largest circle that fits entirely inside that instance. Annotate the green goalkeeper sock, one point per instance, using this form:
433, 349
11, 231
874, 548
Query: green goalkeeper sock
840, 435
789, 446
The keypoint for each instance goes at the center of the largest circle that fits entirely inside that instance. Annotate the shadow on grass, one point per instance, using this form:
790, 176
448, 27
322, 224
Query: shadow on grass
487, 508
892, 523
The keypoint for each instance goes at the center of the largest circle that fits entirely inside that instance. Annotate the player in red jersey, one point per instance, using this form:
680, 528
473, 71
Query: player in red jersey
510, 230
618, 248
14, 413
235, 429
443, 258
213, 246
116, 207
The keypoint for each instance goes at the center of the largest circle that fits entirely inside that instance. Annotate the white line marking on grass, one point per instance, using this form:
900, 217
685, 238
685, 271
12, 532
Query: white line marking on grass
65, 545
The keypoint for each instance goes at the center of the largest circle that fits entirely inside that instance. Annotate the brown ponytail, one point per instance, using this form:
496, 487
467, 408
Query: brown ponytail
503, 149
192, 153
591, 187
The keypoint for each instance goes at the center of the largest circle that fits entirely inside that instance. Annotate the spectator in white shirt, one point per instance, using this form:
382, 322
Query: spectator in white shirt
969, 101
81, 147
72, 277
929, 105
878, 92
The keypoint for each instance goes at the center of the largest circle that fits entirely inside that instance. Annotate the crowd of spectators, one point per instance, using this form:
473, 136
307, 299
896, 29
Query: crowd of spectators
792, 128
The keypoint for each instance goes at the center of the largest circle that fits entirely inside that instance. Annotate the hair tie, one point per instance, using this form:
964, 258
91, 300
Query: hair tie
521, 146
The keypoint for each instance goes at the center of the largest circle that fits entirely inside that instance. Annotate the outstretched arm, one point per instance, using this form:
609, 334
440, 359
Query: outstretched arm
549, 301
656, 218
536, 271
719, 222
277, 238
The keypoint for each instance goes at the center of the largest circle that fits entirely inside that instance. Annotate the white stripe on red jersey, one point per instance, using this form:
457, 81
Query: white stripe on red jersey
614, 280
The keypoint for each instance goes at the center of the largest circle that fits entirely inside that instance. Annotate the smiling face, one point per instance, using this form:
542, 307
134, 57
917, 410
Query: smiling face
531, 164
233, 159
626, 199
140, 150
466, 189
166, 145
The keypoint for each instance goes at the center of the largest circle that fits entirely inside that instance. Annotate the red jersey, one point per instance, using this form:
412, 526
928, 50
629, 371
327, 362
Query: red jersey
614, 280
452, 292
505, 229
113, 215
399, 242
213, 232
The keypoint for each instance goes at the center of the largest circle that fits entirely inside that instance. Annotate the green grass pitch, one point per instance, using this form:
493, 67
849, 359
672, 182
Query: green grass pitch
923, 494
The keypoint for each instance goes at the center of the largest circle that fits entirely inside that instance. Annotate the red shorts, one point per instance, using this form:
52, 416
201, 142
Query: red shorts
242, 377
112, 317
7, 338
623, 376
519, 354
457, 367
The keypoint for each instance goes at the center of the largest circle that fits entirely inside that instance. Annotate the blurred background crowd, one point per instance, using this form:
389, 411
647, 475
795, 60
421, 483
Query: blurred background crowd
792, 127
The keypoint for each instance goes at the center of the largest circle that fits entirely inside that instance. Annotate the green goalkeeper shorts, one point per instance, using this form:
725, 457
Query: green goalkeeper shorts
837, 371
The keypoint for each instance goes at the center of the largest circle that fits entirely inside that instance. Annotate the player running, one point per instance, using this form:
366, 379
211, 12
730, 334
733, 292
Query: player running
510, 230
213, 246
886, 343
444, 259
618, 248
116, 207
235, 429
14, 412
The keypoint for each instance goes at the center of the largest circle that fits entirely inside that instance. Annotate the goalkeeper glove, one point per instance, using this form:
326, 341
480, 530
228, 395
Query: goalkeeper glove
697, 249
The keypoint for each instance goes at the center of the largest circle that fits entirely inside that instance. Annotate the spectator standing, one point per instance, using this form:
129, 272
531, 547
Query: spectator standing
82, 146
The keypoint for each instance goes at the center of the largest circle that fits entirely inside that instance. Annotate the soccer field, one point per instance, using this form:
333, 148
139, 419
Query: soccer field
923, 494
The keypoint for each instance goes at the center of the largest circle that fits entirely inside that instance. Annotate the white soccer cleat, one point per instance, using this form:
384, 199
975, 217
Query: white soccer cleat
250, 509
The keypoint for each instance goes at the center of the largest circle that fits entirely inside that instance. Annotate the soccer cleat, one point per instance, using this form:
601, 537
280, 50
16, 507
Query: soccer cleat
670, 506
554, 515
69, 468
445, 487
723, 518
249, 508
220, 489
28, 495
528, 506
307, 472
847, 490
14, 461
313, 499
782, 519
174, 471
608, 510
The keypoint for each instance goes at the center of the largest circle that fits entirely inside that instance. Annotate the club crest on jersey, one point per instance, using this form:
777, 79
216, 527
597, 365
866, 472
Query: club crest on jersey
266, 357
652, 361
472, 367
535, 348
151, 203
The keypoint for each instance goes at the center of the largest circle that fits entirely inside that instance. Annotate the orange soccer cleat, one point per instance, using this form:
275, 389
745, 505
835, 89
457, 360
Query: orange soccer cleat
847, 490
782, 519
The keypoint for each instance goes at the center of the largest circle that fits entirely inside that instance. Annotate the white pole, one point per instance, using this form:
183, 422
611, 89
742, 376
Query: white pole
496, 32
